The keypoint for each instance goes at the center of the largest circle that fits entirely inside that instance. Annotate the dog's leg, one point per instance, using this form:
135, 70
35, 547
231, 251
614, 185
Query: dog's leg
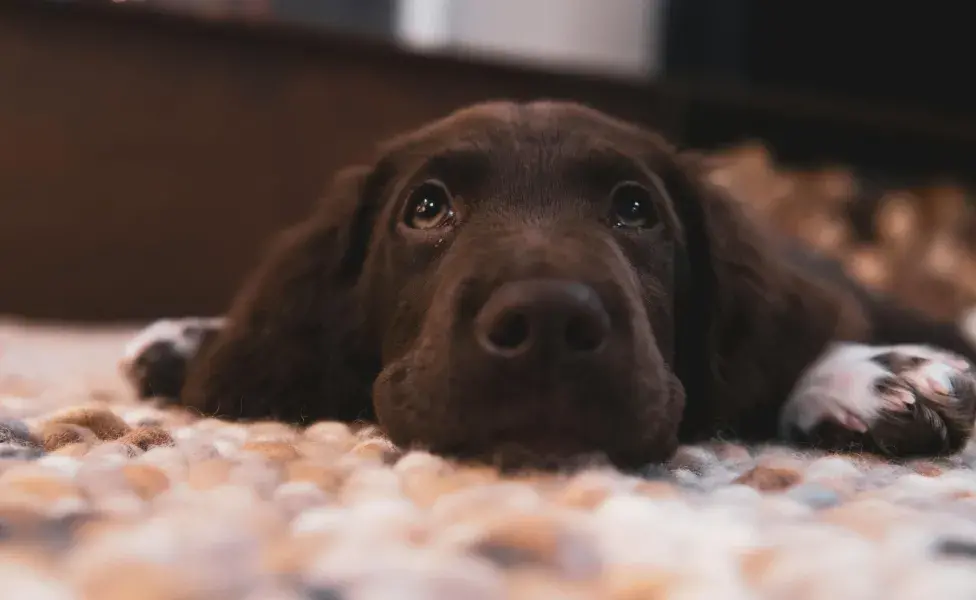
155, 361
901, 400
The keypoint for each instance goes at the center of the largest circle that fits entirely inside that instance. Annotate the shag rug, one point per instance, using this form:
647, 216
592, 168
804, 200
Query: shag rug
103, 497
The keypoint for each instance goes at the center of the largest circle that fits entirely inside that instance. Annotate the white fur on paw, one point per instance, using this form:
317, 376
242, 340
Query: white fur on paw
184, 335
842, 385
838, 387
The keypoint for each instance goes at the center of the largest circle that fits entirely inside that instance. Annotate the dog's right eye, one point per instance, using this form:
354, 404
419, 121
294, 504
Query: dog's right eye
632, 206
429, 206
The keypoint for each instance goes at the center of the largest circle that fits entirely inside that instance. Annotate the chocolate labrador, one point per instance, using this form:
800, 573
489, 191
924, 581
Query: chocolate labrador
528, 282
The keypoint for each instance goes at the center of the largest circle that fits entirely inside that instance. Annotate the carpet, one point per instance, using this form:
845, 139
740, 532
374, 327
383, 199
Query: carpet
104, 497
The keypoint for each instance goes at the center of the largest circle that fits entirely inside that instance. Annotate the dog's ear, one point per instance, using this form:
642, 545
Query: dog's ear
294, 347
748, 321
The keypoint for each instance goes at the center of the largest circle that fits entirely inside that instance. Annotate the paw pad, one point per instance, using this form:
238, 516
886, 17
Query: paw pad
903, 400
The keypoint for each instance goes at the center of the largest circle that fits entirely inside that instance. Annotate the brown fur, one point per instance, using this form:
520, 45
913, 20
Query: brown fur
353, 316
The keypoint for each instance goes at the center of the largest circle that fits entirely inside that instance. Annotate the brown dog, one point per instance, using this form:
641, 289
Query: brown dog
523, 281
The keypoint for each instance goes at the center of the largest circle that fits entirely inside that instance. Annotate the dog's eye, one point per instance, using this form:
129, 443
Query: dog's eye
631, 205
429, 206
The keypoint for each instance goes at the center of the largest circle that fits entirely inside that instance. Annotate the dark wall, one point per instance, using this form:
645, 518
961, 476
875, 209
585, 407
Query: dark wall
882, 86
373, 18
145, 161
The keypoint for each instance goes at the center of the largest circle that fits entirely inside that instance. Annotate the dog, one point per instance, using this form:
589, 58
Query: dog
523, 283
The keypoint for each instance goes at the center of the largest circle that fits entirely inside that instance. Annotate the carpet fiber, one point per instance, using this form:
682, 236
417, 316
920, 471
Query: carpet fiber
103, 497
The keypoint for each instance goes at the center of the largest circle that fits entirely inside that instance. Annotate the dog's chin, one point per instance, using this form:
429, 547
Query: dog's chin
529, 439
627, 416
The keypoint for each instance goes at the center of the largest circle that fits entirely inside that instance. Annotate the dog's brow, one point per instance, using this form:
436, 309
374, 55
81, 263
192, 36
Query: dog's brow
459, 163
606, 164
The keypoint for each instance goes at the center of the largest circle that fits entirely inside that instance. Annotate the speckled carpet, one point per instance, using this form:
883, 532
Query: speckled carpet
101, 497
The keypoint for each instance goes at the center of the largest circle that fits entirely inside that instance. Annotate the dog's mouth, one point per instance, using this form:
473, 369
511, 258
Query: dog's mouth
555, 441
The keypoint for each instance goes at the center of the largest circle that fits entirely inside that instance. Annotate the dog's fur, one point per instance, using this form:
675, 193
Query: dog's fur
354, 315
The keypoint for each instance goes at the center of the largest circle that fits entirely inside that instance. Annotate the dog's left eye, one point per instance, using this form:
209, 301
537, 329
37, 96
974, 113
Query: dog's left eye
429, 206
631, 205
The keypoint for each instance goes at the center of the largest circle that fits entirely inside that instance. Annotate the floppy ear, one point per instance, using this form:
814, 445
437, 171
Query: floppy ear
748, 322
294, 347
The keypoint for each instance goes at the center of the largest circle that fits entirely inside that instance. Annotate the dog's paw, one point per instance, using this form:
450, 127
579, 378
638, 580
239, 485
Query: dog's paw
155, 361
902, 400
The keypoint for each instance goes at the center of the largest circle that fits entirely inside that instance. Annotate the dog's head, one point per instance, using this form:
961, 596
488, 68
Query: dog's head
512, 281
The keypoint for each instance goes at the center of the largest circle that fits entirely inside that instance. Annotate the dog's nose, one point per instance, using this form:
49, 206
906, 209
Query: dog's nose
552, 316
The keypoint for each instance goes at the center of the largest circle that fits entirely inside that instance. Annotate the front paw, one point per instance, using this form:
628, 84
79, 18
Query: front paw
902, 400
155, 361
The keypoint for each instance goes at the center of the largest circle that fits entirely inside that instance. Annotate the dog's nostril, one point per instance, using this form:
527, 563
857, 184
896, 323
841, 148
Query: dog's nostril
542, 319
510, 331
584, 334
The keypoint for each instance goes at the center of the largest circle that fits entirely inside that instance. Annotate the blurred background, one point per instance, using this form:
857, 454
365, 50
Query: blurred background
149, 148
